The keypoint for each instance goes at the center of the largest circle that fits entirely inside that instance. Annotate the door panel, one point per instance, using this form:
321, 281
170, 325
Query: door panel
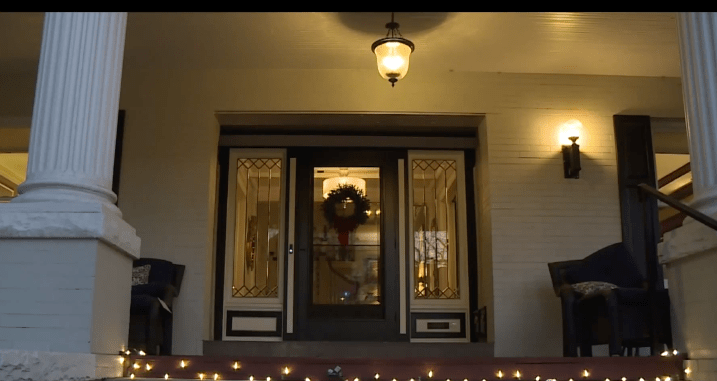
346, 259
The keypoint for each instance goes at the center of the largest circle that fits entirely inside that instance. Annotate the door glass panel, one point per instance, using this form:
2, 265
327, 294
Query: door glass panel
257, 217
435, 263
346, 236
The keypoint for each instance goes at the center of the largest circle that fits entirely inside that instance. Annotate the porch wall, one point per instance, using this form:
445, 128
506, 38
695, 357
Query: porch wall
536, 216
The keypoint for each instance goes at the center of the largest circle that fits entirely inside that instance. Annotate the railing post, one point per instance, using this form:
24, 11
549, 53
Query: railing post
651, 262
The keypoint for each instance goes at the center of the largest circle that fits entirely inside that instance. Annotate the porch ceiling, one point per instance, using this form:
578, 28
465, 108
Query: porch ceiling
630, 44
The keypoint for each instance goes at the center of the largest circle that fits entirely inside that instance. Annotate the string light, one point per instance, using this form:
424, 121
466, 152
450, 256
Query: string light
136, 366
166, 376
251, 378
430, 374
201, 376
236, 365
216, 376
675, 352
148, 366
182, 364
286, 370
307, 379
268, 379
537, 378
500, 374
586, 373
141, 353
624, 379
356, 379
517, 374
127, 352
665, 353
375, 376
688, 371
642, 379
121, 360
131, 376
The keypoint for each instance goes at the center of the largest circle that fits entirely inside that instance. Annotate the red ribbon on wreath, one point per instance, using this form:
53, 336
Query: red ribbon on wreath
344, 226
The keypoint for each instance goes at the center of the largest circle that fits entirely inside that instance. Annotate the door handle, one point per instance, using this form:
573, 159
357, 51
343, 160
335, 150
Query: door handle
291, 249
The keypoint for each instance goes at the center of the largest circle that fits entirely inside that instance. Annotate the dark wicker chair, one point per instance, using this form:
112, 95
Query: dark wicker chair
618, 317
150, 323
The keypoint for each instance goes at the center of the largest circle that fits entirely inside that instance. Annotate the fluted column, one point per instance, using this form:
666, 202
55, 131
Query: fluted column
74, 120
698, 54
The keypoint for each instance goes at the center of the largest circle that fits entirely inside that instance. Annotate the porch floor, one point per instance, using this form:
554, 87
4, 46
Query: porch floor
404, 369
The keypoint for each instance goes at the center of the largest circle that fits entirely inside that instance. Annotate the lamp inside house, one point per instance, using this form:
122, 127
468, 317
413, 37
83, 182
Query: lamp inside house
392, 53
343, 179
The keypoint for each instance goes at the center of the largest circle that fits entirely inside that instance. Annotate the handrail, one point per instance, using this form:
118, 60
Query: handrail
674, 175
695, 214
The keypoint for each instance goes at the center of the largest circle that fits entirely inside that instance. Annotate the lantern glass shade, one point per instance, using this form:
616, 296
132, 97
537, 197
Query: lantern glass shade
334, 182
392, 57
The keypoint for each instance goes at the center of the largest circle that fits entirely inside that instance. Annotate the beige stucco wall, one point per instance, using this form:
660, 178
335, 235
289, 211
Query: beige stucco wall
537, 216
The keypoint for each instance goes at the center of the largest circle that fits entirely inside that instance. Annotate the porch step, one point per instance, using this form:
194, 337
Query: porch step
347, 349
405, 369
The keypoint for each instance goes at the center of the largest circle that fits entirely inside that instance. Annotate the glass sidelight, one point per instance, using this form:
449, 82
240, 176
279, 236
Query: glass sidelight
346, 241
257, 219
435, 257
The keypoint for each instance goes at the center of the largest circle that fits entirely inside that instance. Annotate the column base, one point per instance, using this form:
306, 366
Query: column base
20, 365
689, 254
42, 220
701, 369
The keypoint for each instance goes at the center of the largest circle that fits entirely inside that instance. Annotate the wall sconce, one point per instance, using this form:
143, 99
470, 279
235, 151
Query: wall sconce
571, 159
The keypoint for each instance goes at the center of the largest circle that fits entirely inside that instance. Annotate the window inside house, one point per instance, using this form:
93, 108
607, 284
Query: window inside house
435, 264
13, 168
347, 236
257, 218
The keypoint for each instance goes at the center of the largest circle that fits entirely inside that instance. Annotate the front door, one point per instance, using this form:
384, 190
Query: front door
347, 260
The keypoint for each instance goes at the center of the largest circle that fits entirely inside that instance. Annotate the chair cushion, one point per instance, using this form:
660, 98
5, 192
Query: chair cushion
592, 288
140, 275
154, 289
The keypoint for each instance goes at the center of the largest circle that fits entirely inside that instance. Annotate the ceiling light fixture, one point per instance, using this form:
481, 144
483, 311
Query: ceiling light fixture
392, 53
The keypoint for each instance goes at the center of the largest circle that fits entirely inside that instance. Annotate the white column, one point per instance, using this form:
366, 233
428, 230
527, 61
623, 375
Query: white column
689, 253
65, 251
74, 120
698, 53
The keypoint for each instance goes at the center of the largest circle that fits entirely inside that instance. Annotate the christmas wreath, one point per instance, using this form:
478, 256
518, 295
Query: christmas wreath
345, 224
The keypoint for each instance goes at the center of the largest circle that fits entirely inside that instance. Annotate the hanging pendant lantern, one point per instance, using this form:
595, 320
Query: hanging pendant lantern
392, 53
